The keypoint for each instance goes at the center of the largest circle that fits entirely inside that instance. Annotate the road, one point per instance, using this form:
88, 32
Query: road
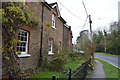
115, 61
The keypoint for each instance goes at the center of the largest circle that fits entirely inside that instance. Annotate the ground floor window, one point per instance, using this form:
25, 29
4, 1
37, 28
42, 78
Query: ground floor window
50, 45
23, 36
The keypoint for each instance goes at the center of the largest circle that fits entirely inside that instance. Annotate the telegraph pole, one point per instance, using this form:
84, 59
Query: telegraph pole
90, 21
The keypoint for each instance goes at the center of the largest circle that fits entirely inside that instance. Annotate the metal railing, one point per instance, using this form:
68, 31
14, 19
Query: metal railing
80, 74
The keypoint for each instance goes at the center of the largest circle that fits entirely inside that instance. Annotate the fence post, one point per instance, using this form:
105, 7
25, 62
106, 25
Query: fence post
53, 77
69, 78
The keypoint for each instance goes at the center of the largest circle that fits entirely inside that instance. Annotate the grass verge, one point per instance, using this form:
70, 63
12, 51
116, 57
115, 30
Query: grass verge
110, 70
48, 75
72, 63
107, 54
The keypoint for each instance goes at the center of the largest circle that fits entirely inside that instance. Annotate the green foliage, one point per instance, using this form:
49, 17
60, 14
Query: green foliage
57, 63
73, 64
14, 14
48, 75
89, 51
17, 11
18, 53
108, 42
83, 40
74, 55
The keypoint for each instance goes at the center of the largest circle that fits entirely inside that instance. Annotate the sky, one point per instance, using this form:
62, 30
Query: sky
102, 12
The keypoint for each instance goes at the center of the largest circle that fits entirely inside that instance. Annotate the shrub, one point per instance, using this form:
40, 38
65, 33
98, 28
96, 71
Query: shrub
57, 63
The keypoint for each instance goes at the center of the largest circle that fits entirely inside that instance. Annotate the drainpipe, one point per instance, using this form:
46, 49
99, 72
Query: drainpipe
41, 37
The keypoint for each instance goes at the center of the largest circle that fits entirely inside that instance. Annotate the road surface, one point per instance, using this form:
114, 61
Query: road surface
115, 61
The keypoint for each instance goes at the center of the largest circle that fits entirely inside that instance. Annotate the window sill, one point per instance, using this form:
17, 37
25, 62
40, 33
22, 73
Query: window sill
54, 28
50, 53
24, 55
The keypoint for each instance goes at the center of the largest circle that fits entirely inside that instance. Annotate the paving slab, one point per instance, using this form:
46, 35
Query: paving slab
97, 73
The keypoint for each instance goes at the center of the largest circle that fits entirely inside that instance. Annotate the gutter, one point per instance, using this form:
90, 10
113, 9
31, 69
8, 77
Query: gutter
41, 36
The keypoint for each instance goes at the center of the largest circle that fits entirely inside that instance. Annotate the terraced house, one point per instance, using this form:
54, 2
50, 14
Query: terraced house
52, 36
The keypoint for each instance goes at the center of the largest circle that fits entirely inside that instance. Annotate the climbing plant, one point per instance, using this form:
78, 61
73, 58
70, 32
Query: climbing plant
14, 14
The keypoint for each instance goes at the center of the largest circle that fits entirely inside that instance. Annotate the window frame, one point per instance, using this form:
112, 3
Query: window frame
53, 21
26, 53
50, 46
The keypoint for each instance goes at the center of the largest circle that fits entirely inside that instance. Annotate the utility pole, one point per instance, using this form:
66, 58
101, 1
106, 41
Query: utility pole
90, 21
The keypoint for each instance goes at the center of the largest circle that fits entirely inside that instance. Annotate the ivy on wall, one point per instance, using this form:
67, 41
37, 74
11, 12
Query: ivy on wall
14, 14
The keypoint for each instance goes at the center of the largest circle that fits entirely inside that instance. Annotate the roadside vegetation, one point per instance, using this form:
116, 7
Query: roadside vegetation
60, 66
107, 54
108, 41
110, 70
48, 75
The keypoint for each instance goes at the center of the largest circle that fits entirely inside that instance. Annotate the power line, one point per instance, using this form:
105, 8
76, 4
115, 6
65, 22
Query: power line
85, 8
69, 11
85, 23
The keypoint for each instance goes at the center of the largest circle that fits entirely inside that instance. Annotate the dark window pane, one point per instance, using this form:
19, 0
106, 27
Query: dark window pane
19, 37
22, 38
26, 34
24, 44
19, 33
22, 34
17, 48
23, 49
20, 44
25, 39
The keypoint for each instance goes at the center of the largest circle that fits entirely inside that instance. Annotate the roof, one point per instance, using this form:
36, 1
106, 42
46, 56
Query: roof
55, 5
47, 5
62, 19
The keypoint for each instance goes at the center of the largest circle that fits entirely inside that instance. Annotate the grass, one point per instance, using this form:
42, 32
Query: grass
48, 75
73, 64
110, 70
107, 54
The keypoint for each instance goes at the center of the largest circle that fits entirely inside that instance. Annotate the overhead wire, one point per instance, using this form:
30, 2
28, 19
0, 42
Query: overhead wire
75, 14
69, 11
84, 23
85, 8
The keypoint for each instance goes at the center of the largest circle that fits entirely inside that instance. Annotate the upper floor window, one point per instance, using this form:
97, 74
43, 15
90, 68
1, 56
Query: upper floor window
53, 20
23, 36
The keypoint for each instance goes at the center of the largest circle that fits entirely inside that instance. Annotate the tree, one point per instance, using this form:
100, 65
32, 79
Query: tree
83, 39
108, 42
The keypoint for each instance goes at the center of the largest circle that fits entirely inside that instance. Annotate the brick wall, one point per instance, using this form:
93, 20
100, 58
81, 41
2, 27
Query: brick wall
60, 34
34, 51
34, 43
67, 39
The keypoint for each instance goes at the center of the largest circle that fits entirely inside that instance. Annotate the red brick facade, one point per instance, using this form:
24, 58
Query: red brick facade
61, 35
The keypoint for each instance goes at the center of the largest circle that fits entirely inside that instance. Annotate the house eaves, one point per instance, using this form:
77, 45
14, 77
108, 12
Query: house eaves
53, 5
47, 5
62, 19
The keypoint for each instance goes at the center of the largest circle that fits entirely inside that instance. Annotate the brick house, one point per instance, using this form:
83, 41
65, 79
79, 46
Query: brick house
67, 38
49, 38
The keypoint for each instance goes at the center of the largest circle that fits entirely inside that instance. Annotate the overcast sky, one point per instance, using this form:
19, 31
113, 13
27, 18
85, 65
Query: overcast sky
102, 12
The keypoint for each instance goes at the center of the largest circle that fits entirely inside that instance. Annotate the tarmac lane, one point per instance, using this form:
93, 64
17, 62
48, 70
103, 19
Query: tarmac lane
114, 60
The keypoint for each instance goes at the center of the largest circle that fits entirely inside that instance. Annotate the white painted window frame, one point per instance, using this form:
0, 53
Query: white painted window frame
53, 20
25, 54
50, 44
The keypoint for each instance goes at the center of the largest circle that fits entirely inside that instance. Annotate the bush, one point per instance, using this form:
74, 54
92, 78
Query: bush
57, 63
